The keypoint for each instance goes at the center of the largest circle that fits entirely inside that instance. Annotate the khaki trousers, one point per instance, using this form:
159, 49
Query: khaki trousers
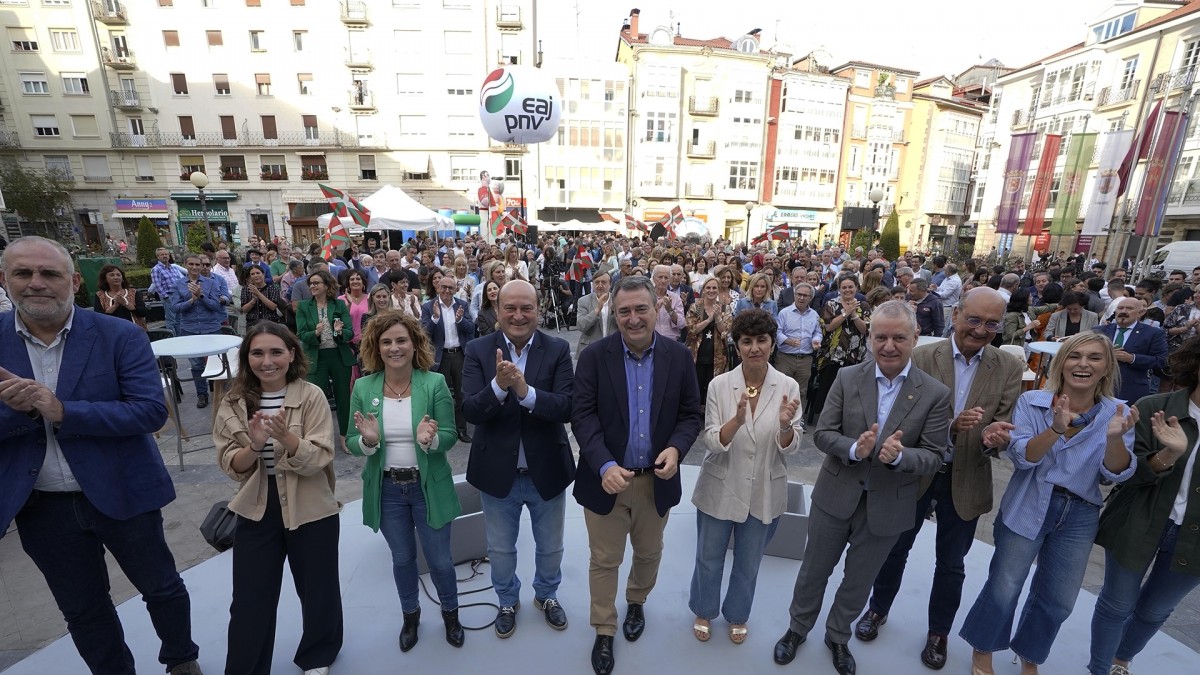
799, 368
635, 517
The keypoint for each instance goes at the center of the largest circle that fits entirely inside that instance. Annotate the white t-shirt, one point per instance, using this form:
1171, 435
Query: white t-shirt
398, 433
270, 403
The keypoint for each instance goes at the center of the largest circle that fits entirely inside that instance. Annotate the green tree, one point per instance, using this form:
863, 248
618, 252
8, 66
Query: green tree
889, 239
148, 242
36, 195
864, 238
196, 235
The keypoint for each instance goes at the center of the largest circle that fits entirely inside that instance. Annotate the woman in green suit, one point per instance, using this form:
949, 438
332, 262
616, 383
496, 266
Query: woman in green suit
323, 326
404, 423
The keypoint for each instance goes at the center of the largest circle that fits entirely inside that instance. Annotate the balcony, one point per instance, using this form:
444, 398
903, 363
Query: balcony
122, 59
704, 106
354, 13
124, 100
1181, 78
215, 139
362, 101
359, 59
702, 150
509, 58
1112, 96
9, 139
109, 12
859, 132
508, 16
698, 190
1020, 119
886, 92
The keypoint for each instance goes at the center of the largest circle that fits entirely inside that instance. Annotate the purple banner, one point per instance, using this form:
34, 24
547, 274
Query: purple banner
1015, 172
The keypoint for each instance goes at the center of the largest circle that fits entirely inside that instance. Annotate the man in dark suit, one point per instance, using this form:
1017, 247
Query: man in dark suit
79, 398
1139, 348
984, 383
636, 414
884, 425
679, 285
448, 322
517, 393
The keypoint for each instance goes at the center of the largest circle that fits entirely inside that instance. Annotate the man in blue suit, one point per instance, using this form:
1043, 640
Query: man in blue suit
636, 414
449, 324
199, 311
517, 392
79, 471
1139, 348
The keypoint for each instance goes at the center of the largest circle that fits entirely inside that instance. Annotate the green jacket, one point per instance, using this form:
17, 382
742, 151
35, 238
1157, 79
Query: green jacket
430, 396
306, 330
1138, 510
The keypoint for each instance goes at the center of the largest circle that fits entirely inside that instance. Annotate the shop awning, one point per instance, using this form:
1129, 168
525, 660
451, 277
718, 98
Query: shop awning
139, 214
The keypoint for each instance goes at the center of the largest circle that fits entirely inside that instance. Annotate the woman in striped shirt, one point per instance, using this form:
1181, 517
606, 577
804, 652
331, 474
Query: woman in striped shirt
274, 435
1066, 438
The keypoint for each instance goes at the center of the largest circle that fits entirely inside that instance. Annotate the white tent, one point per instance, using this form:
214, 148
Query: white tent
577, 226
392, 209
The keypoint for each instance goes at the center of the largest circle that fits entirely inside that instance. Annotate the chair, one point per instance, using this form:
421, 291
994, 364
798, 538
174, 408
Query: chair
214, 370
1027, 377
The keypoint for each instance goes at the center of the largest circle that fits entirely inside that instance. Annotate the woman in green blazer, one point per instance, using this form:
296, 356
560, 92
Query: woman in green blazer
324, 327
404, 423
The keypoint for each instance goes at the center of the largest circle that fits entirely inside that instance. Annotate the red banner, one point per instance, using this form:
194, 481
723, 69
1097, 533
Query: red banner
1035, 215
1042, 243
1158, 172
1083, 244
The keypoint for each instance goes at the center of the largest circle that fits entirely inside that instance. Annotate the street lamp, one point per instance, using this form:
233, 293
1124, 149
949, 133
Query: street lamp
750, 206
876, 196
200, 180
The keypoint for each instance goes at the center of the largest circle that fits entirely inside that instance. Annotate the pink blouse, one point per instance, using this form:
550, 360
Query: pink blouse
357, 309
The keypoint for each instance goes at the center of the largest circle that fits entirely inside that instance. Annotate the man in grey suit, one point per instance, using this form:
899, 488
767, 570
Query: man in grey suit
884, 425
594, 317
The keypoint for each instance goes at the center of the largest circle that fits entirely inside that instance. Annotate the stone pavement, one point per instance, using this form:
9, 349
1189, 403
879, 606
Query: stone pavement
30, 619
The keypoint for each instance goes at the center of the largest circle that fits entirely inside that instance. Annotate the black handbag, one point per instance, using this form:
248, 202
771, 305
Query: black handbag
218, 526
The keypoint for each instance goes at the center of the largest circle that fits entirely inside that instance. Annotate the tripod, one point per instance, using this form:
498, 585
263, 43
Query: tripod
553, 310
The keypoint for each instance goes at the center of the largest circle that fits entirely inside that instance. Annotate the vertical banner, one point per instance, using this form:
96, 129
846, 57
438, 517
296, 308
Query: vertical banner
1042, 243
1039, 200
1083, 244
1157, 173
1019, 154
1070, 190
1103, 204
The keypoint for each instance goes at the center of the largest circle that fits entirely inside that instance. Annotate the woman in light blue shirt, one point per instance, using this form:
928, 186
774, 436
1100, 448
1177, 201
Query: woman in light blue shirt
1066, 439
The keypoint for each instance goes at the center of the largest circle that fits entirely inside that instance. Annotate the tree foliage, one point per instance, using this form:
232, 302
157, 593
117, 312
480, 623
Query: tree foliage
35, 195
889, 239
864, 238
148, 242
196, 234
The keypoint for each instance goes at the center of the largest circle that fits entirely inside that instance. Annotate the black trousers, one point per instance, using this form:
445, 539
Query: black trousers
451, 367
259, 549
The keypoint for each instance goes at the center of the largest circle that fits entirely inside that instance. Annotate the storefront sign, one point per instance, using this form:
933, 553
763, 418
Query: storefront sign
141, 205
215, 211
798, 216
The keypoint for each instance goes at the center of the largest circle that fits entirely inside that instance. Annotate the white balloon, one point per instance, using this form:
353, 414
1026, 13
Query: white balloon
498, 187
519, 105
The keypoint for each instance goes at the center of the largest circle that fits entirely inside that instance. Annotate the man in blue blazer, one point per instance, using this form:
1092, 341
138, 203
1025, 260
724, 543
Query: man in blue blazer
1139, 348
636, 414
517, 392
448, 322
79, 471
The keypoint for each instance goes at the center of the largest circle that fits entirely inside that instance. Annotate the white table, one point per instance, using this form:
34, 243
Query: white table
1049, 349
189, 347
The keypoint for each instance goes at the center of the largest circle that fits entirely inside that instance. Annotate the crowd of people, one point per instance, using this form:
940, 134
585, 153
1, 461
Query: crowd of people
749, 348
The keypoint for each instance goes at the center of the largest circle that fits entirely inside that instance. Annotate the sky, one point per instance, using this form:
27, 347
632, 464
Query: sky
934, 37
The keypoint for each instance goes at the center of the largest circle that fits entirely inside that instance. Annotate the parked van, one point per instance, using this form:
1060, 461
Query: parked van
1179, 255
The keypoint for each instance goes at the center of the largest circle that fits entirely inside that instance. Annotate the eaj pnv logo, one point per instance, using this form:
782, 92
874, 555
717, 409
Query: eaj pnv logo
517, 105
497, 91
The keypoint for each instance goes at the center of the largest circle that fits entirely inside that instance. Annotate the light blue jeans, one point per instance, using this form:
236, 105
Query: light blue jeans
750, 538
502, 519
402, 510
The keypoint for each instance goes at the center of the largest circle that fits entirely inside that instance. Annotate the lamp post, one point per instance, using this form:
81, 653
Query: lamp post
750, 206
876, 196
200, 180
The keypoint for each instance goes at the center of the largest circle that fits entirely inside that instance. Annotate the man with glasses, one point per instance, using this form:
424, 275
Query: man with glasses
984, 384
447, 319
799, 335
206, 270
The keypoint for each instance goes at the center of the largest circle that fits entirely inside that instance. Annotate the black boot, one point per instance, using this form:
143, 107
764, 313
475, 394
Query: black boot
408, 633
454, 630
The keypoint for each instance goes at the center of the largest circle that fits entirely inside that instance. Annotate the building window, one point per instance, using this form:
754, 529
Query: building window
512, 167
75, 84
179, 84
215, 39
462, 169
60, 165
660, 127
1128, 72
189, 164
413, 125
743, 96
64, 40
273, 166
461, 125
228, 128
311, 131
187, 128
256, 41
1191, 54
23, 39
221, 84
313, 167
143, 168
460, 92
366, 167
298, 38
170, 38
34, 83
233, 167
304, 80
862, 79
457, 42
262, 84
95, 167
45, 126
270, 131
743, 175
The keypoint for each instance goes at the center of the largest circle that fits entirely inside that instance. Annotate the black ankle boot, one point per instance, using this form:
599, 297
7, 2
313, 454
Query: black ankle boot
454, 630
408, 634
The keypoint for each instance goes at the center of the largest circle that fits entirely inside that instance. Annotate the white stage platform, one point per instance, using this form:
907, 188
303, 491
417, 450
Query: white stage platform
372, 614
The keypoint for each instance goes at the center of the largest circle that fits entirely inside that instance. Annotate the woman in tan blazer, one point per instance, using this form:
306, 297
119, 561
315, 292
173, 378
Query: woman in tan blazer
751, 419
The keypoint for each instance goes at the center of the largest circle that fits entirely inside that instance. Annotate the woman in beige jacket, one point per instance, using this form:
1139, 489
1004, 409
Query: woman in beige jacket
274, 434
750, 424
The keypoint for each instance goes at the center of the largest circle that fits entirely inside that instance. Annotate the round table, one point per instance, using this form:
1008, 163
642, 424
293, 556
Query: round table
188, 347
1049, 348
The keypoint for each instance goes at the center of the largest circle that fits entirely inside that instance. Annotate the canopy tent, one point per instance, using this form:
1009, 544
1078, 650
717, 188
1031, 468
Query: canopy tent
577, 226
392, 209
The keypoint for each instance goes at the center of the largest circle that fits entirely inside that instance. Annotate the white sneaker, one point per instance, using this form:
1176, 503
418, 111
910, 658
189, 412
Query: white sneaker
317, 671
1118, 670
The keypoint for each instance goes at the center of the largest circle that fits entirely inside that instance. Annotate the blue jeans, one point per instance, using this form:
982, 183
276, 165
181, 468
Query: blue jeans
750, 538
1061, 550
1129, 613
198, 366
401, 509
502, 518
66, 537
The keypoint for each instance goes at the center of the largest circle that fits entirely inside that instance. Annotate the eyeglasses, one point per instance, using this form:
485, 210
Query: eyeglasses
989, 326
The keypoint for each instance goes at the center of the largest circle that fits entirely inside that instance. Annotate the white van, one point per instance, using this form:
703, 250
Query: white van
1179, 255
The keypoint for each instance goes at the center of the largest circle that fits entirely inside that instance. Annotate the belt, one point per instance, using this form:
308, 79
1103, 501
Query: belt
1058, 489
639, 471
799, 356
946, 467
405, 475
522, 471
451, 350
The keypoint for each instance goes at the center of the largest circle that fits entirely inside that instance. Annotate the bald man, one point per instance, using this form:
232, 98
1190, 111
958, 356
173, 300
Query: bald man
517, 392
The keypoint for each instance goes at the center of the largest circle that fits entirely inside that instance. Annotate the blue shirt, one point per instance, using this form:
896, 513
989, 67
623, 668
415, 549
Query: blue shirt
639, 386
805, 327
1075, 463
887, 391
964, 375
530, 396
201, 316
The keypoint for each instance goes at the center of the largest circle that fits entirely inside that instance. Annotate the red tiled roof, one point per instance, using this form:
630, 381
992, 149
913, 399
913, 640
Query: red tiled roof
678, 41
876, 66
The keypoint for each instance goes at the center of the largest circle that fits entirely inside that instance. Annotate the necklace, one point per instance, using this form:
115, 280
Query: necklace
399, 395
753, 391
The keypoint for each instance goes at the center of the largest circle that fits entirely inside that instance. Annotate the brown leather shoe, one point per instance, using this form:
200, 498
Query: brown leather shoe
934, 654
868, 626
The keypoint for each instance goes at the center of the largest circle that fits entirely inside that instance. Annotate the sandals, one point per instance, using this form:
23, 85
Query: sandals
737, 633
701, 630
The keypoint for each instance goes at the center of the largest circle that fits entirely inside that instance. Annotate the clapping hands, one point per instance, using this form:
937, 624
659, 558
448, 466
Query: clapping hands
787, 411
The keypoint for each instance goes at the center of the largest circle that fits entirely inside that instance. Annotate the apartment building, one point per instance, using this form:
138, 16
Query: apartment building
130, 97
